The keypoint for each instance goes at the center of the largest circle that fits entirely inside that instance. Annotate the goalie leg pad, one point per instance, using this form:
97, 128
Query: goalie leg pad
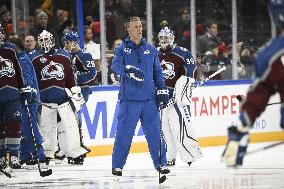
48, 128
189, 147
169, 135
236, 147
69, 136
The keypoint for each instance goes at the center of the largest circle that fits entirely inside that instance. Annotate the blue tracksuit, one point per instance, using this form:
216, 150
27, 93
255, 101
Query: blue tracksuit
138, 100
27, 148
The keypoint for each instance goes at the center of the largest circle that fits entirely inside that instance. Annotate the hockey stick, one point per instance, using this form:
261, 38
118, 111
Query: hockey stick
240, 99
265, 148
164, 177
5, 173
173, 101
41, 173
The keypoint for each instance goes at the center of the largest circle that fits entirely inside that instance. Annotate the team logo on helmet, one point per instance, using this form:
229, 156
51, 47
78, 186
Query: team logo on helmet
6, 68
52, 71
168, 69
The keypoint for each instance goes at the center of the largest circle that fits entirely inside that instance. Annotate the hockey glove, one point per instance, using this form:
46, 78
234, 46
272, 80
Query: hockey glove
162, 98
236, 147
134, 73
28, 94
76, 97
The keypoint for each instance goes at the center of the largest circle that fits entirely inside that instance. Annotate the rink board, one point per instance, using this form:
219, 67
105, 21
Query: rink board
214, 107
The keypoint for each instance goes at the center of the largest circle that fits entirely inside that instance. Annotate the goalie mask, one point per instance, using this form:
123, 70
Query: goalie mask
2, 35
166, 37
276, 12
46, 41
71, 40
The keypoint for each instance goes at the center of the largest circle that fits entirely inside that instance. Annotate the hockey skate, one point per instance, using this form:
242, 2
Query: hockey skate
76, 161
30, 164
14, 162
59, 156
3, 164
172, 162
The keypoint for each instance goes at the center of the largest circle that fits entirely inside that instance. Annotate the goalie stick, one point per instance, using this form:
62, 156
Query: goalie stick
173, 101
265, 148
41, 173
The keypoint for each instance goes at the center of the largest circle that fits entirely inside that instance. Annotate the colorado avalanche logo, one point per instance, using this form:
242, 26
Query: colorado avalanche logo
168, 69
52, 70
6, 68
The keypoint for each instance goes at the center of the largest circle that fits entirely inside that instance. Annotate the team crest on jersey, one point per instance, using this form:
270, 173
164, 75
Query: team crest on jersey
43, 60
52, 71
127, 50
6, 67
168, 69
146, 52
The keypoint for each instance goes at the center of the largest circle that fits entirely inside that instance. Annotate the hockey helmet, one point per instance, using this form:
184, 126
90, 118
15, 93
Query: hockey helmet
71, 36
46, 41
2, 34
166, 37
276, 12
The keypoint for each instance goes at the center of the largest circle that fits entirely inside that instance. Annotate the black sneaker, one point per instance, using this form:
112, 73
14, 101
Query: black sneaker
172, 163
164, 170
117, 172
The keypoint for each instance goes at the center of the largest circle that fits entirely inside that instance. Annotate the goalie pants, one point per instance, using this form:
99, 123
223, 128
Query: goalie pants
129, 114
30, 136
10, 125
179, 134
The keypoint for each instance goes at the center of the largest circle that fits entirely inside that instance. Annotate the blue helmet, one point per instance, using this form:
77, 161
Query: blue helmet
71, 36
276, 12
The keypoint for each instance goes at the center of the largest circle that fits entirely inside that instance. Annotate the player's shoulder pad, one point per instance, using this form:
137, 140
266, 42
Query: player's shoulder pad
84, 56
62, 52
9, 45
35, 53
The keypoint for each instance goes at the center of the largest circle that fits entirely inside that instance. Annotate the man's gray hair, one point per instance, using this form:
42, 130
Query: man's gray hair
132, 19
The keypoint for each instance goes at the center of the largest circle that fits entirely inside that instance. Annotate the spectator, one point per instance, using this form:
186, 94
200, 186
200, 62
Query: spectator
89, 45
208, 38
42, 24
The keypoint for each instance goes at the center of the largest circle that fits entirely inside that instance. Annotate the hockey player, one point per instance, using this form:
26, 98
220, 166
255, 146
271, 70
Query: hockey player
137, 62
11, 81
54, 74
85, 71
31, 139
179, 133
269, 72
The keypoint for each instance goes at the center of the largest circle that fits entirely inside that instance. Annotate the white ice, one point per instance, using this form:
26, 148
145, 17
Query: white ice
261, 170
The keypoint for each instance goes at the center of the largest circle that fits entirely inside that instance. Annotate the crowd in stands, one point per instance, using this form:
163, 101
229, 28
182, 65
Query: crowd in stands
213, 27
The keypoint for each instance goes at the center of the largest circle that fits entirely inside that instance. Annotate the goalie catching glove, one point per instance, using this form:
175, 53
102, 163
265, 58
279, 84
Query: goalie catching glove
134, 73
76, 96
163, 98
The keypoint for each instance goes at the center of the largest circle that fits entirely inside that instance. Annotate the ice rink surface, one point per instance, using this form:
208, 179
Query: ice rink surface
261, 170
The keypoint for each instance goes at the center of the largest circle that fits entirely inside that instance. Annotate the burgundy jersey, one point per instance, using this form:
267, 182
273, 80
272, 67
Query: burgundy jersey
11, 79
175, 62
54, 73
